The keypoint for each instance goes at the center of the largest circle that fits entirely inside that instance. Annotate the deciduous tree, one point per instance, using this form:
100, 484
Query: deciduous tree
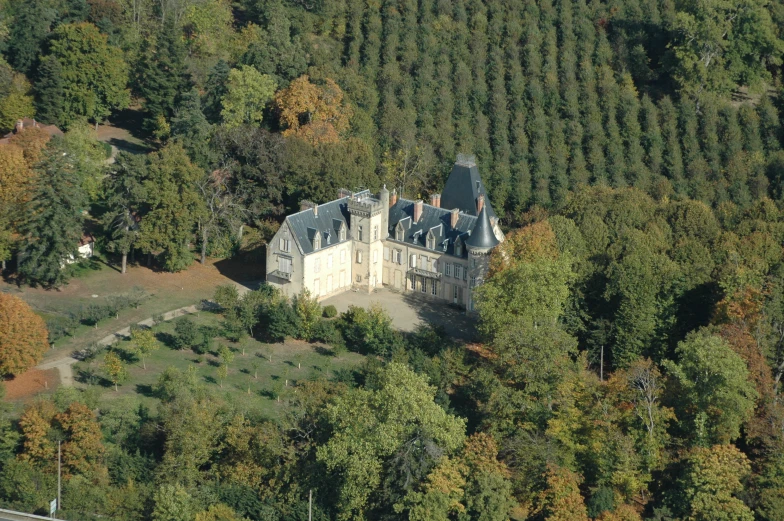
247, 94
314, 113
23, 336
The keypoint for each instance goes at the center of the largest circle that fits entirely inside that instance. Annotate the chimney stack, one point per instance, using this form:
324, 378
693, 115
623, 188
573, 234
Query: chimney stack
19, 125
306, 205
480, 203
453, 218
393, 197
418, 210
435, 200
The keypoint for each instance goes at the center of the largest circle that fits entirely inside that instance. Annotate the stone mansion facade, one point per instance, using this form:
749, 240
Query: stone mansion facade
362, 242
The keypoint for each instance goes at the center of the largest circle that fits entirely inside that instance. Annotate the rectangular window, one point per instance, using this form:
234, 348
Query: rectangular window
359, 257
342, 256
375, 232
473, 282
284, 264
285, 245
399, 256
423, 262
329, 261
448, 269
423, 285
413, 260
434, 287
359, 233
317, 266
359, 279
465, 274
386, 253
458, 271
375, 256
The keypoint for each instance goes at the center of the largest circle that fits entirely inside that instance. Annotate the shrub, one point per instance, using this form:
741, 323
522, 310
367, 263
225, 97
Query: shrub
369, 331
330, 311
278, 320
186, 333
326, 332
226, 296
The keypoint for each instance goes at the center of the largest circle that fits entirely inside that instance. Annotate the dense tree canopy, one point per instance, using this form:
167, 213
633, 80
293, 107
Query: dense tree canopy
23, 336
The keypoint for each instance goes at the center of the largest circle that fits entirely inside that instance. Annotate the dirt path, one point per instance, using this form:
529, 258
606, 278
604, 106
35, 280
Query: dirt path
63, 364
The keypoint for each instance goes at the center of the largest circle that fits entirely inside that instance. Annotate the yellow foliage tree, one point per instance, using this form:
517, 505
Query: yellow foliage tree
316, 114
32, 141
23, 336
15, 177
35, 424
561, 500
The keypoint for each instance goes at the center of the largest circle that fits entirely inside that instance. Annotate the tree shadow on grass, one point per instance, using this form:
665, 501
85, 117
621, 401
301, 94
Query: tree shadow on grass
213, 363
266, 393
145, 390
246, 371
166, 339
324, 351
210, 380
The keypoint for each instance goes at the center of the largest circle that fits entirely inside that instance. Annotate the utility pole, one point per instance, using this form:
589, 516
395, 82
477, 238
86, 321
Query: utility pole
58, 475
310, 505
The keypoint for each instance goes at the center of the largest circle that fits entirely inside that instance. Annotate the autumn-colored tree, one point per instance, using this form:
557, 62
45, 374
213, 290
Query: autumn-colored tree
115, 369
17, 103
83, 447
32, 141
714, 476
144, 342
621, 513
36, 423
314, 113
23, 336
15, 177
219, 512
561, 500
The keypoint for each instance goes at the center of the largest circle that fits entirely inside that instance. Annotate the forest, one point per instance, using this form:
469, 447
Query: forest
631, 326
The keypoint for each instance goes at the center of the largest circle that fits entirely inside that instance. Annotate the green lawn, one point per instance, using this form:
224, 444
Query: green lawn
292, 362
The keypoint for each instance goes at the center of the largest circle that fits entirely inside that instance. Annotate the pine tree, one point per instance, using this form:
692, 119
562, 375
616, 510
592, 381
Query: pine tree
770, 126
190, 128
55, 220
652, 136
49, 92
214, 91
673, 156
161, 76
709, 135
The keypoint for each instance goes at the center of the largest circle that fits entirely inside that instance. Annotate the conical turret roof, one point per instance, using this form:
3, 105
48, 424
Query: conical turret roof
482, 235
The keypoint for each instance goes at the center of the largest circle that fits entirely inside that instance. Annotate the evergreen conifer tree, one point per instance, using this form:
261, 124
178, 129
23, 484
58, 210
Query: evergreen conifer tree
55, 221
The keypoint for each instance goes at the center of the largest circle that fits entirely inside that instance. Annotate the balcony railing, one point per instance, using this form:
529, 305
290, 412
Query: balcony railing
425, 273
285, 275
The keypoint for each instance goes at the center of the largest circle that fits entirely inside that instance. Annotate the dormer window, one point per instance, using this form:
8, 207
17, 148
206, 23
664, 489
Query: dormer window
343, 232
431, 241
399, 232
458, 248
317, 241
329, 238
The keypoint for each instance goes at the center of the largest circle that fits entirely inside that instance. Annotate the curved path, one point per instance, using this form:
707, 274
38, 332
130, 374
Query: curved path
63, 365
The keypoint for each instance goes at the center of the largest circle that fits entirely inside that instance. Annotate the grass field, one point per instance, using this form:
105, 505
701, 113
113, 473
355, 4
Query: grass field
253, 381
98, 281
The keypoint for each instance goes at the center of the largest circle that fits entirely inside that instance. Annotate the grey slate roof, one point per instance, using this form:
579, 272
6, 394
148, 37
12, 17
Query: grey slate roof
462, 189
305, 224
433, 219
482, 235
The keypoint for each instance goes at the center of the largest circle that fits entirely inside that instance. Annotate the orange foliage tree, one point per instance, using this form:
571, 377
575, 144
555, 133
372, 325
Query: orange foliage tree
23, 336
316, 114
35, 424
561, 500
83, 447
82, 441
32, 141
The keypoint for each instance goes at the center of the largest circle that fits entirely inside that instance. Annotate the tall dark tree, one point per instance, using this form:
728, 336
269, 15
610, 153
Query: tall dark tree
125, 200
190, 128
49, 91
55, 222
214, 90
31, 26
161, 76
